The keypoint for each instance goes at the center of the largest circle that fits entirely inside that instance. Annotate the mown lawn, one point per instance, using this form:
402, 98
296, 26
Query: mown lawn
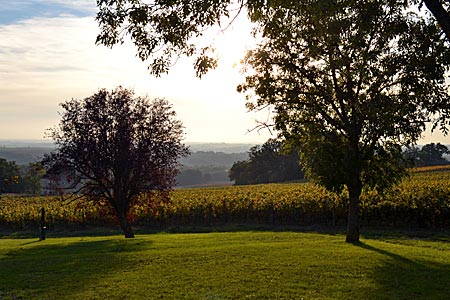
236, 265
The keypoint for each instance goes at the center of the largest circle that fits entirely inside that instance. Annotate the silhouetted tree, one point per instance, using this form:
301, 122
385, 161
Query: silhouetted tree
267, 163
163, 30
429, 155
119, 146
350, 82
241, 173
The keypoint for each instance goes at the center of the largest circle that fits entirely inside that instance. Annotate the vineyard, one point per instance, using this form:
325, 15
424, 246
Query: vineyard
420, 200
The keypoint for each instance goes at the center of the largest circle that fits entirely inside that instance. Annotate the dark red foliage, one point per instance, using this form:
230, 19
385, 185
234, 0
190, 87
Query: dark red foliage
119, 146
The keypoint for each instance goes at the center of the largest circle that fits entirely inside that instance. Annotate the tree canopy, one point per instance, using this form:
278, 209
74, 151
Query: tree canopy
119, 146
9, 176
31, 178
20, 178
163, 30
350, 83
428, 155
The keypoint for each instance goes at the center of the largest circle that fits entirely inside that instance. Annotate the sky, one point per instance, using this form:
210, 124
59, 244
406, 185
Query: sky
48, 55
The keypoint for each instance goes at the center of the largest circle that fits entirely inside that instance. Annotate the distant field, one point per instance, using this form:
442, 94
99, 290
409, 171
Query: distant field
240, 265
431, 169
421, 200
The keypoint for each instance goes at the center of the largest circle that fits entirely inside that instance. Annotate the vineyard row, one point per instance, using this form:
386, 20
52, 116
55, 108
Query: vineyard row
421, 200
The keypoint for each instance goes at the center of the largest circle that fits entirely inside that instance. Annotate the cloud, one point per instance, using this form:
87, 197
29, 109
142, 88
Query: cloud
20, 10
45, 61
82, 5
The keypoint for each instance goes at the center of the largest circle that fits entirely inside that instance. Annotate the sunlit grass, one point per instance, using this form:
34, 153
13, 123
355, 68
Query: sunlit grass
239, 265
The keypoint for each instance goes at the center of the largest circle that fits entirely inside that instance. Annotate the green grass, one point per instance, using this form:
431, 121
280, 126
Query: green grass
236, 265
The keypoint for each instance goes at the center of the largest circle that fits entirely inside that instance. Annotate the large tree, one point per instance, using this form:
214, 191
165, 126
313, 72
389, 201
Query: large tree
119, 146
351, 82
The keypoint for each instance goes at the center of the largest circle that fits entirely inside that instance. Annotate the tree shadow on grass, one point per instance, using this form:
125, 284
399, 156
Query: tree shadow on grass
113, 231
400, 277
322, 229
61, 270
86, 231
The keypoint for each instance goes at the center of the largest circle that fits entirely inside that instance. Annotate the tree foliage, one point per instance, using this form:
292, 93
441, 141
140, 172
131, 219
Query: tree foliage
163, 30
428, 155
31, 178
119, 146
9, 176
350, 82
20, 179
166, 27
267, 163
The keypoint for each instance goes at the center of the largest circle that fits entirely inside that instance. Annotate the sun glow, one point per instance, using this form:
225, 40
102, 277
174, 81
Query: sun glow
232, 43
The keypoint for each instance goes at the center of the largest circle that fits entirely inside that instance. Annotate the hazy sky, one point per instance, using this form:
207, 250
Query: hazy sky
48, 55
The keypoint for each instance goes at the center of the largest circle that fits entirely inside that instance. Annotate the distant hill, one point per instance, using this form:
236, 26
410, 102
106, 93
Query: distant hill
26, 144
203, 154
211, 158
220, 147
208, 164
208, 168
23, 155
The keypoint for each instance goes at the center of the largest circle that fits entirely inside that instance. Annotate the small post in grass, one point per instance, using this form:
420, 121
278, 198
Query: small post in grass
42, 226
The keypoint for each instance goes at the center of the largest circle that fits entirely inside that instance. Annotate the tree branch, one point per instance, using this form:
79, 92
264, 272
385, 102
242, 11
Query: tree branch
441, 15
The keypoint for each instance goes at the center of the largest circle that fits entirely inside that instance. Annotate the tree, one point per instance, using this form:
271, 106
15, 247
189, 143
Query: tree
429, 155
167, 27
9, 176
240, 173
119, 146
163, 30
432, 154
351, 82
32, 178
267, 163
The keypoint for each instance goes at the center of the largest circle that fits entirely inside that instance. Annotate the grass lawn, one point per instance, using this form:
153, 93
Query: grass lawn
233, 265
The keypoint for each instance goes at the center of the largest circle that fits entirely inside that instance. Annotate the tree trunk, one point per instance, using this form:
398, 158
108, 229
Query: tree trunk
125, 225
353, 215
